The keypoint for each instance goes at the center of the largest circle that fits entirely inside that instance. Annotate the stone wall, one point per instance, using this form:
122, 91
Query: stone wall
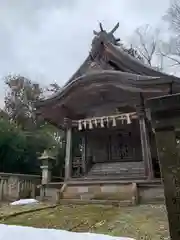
16, 186
151, 193
100, 191
123, 192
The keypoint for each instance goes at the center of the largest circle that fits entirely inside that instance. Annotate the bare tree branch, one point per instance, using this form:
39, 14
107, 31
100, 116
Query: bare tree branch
172, 16
146, 51
147, 41
171, 58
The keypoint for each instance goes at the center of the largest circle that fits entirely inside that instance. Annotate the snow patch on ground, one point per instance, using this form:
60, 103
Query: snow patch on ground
8, 232
24, 202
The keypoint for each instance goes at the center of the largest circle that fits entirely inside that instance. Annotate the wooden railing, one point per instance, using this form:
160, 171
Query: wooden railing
16, 186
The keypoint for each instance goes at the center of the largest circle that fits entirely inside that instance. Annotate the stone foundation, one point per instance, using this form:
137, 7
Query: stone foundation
103, 191
121, 192
151, 193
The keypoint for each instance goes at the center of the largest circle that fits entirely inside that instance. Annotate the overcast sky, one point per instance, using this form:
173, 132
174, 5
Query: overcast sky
47, 40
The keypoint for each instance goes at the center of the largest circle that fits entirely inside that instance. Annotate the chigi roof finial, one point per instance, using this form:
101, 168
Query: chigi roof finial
101, 27
109, 35
115, 28
112, 31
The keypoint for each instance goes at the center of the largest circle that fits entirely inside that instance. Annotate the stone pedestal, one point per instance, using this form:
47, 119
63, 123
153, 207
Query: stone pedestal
46, 175
165, 115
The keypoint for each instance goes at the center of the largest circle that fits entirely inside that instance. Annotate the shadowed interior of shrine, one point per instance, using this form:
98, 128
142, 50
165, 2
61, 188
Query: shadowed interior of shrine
111, 150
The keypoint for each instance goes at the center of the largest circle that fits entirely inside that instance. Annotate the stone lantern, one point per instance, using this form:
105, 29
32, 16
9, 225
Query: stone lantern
46, 166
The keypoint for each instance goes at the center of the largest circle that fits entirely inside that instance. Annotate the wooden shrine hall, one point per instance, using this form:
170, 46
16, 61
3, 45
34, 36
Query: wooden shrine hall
102, 109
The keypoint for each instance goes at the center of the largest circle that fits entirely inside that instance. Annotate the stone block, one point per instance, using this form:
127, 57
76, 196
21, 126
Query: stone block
94, 189
87, 196
72, 189
69, 195
151, 194
109, 188
82, 189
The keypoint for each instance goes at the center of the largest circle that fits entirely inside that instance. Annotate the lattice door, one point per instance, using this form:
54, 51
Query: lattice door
121, 146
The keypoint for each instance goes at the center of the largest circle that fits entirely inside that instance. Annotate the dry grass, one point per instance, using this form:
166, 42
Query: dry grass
6, 210
148, 221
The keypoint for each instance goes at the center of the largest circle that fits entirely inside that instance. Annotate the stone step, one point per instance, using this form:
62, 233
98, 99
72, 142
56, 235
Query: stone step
117, 171
130, 168
125, 203
111, 174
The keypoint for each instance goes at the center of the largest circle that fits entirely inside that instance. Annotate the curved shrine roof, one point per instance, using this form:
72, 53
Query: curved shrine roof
109, 65
105, 51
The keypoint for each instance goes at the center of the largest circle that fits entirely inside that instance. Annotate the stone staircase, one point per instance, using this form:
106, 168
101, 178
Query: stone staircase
122, 169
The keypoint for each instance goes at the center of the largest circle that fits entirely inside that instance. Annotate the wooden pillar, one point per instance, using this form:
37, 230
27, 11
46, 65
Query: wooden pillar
84, 157
1, 189
68, 157
165, 113
145, 143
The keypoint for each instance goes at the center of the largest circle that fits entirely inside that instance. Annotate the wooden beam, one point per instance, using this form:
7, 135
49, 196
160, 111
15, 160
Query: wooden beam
68, 157
84, 164
145, 142
145, 145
